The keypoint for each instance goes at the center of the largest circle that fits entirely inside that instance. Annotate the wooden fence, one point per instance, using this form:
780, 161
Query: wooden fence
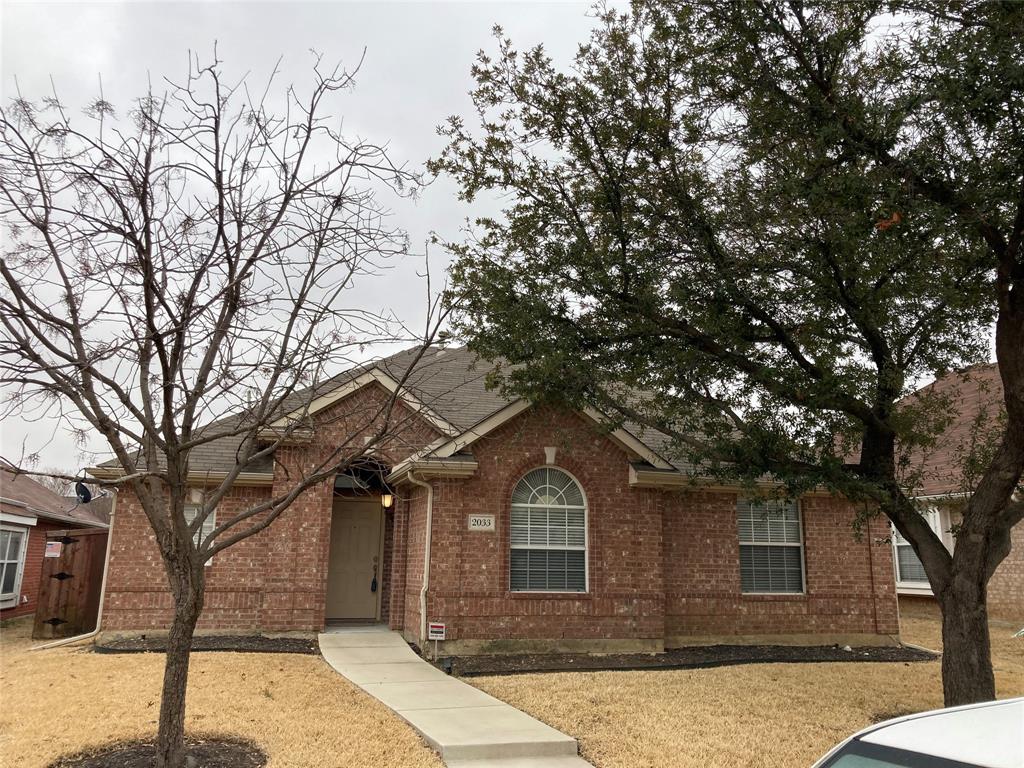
70, 583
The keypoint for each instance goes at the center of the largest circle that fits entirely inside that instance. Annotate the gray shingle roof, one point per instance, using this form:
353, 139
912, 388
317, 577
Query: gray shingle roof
19, 493
451, 382
218, 455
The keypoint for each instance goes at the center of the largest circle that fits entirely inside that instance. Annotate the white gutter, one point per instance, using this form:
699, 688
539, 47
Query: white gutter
60, 517
27, 520
195, 477
426, 557
435, 467
103, 592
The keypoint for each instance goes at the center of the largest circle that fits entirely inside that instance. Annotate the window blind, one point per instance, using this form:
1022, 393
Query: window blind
548, 534
771, 546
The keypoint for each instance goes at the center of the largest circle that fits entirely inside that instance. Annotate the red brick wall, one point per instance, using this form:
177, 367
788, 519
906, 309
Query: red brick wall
384, 573
661, 564
33, 567
137, 596
415, 533
702, 570
1006, 587
469, 579
277, 579
849, 584
395, 594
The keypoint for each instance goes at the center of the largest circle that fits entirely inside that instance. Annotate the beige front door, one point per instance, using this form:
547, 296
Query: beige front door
356, 528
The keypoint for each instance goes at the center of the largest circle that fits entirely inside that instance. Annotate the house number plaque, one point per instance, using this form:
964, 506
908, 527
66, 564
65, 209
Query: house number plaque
481, 523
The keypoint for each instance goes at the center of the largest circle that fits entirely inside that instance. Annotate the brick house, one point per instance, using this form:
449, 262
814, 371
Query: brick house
977, 396
29, 511
520, 528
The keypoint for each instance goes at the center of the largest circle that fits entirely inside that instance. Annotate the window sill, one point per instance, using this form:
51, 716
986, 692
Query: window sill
548, 595
922, 589
774, 596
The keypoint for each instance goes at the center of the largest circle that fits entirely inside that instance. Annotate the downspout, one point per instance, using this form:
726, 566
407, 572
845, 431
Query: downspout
103, 591
426, 557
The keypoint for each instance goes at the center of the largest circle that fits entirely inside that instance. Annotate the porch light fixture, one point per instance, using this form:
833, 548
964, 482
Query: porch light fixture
386, 500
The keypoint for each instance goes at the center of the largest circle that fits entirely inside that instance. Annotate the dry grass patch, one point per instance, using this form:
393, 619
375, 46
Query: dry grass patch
295, 707
757, 716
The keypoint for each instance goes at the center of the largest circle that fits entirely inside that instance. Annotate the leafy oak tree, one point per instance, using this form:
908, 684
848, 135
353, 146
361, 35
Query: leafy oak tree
179, 276
768, 221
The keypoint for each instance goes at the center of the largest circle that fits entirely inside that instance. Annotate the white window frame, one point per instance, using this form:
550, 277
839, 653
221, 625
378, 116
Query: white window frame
586, 539
801, 544
933, 517
191, 510
13, 599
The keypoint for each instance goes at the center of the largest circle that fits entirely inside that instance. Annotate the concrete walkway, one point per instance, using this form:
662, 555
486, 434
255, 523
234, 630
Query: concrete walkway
467, 726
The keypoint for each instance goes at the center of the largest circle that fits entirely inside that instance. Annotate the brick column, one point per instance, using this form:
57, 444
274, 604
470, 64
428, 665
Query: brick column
295, 580
396, 576
883, 579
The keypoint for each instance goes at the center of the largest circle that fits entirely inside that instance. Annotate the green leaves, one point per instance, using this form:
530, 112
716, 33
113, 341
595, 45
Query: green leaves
767, 221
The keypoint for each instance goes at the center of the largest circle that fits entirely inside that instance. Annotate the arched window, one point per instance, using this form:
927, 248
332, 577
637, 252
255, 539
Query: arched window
548, 533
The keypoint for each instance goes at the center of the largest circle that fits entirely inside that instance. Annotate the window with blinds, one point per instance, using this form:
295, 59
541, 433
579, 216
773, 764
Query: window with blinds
771, 546
191, 510
909, 569
12, 563
548, 534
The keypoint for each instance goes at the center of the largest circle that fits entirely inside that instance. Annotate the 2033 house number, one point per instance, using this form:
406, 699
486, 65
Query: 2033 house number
481, 522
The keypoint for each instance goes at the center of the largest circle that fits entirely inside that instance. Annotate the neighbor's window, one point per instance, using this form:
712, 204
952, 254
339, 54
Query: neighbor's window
909, 569
191, 510
771, 546
12, 563
548, 534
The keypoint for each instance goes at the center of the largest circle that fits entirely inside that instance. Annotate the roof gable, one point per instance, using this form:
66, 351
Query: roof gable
353, 385
448, 387
454, 447
977, 396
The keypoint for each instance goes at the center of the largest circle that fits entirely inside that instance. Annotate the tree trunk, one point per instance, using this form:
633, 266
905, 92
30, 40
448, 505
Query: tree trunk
967, 675
171, 735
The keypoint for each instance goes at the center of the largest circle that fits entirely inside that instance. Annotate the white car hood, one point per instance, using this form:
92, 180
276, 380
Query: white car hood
991, 735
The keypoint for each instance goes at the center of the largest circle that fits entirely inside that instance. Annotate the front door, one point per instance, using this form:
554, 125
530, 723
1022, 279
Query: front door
353, 575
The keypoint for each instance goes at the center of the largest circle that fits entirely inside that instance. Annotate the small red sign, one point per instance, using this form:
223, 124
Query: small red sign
53, 549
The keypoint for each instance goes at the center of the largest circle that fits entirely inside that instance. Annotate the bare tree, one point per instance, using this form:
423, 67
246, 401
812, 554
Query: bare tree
56, 479
182, 275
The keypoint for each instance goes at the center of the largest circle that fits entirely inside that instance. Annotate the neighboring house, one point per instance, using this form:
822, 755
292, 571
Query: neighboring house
942, 488
543, 530
28, 511
99, 508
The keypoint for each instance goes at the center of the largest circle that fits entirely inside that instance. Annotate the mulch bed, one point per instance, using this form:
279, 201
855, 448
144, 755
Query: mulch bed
202, 753
239, 643
695, 657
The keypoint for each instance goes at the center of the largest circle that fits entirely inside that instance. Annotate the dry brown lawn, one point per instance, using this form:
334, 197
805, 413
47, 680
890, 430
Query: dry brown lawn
295, 707
756, 716
304, 714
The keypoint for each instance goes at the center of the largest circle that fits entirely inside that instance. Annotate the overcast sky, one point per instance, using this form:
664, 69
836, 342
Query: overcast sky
416, 73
